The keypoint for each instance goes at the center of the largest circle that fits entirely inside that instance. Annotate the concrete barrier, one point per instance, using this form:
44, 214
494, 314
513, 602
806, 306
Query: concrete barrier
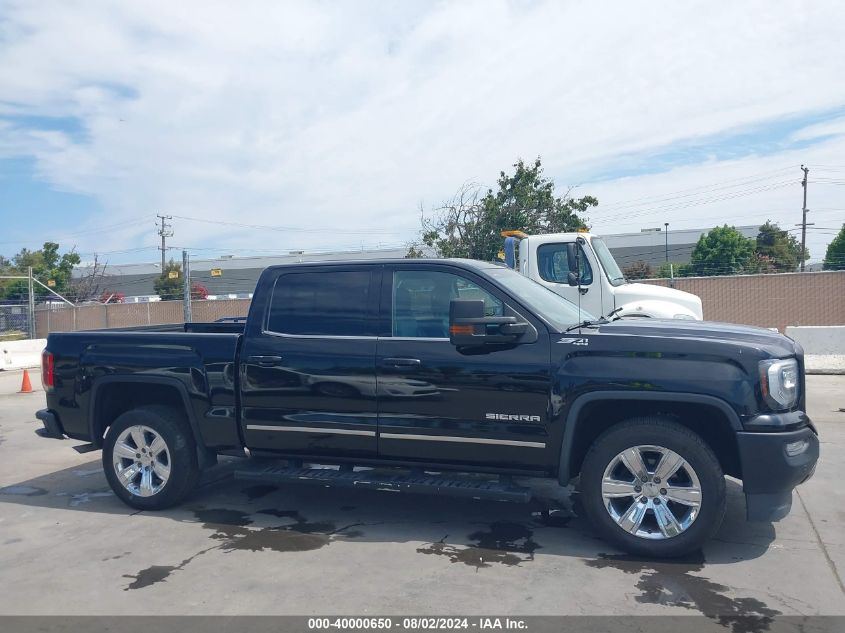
824, 347
19, 354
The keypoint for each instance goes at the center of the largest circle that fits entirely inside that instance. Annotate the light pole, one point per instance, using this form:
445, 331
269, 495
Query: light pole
666, 226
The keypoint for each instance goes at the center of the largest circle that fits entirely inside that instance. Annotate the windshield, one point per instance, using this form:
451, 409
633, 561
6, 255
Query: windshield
611, 268
551, 307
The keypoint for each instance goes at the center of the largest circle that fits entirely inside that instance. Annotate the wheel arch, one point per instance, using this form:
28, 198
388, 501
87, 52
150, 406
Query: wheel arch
157, 390
593, 413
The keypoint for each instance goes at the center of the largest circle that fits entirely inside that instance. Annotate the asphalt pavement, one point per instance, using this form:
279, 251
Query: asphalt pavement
69, 546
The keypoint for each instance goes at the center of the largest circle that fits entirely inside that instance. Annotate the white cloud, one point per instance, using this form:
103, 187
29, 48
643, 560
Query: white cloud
737, 192
835, 127
350, 114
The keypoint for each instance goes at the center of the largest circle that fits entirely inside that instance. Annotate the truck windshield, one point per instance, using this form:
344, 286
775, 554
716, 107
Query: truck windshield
551, 307
611, 268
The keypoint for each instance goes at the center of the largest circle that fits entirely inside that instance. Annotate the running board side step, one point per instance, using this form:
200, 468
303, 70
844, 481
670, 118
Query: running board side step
394, 480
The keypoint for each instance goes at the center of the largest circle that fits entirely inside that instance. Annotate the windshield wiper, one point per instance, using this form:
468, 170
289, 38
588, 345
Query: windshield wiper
588, 323
592, 323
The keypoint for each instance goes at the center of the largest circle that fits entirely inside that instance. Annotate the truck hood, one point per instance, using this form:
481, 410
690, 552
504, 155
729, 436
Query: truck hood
657, 301
770, 343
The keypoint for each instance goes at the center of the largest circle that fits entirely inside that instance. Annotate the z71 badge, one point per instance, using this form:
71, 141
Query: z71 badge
575, 341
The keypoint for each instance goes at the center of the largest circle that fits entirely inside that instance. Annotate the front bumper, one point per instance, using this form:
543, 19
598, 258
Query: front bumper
52, 427
769, 473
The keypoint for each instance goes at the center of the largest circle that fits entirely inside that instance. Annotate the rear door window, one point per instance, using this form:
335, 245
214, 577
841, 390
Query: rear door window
324, 303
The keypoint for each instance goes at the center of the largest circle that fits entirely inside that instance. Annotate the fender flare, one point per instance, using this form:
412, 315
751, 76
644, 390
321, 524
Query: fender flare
573, 420
156, 380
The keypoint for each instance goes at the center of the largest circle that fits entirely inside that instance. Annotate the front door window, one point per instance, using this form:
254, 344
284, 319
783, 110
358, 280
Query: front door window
421, 302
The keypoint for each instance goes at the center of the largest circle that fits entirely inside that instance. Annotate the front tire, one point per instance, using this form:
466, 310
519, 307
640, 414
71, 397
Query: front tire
150, 458
653, 488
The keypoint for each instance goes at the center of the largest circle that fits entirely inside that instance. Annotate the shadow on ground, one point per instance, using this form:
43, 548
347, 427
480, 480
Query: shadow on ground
219, 499
239, 516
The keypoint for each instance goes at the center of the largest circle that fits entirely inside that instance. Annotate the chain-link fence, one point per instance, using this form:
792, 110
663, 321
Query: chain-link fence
777, 300
14, 321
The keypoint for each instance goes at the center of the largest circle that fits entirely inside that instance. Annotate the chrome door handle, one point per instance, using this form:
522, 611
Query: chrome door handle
401, 362
264, 361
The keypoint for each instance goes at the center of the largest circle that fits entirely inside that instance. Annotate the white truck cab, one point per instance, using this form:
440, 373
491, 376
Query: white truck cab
551, 261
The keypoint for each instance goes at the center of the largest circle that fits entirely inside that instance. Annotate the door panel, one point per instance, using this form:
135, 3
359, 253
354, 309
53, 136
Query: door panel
440, 405
308, 382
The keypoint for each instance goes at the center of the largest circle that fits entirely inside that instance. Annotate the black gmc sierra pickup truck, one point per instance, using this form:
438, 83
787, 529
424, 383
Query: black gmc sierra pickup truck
450, 376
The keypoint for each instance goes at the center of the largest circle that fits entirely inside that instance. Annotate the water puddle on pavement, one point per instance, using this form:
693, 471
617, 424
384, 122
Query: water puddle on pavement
235, 532
230, 527
504, 543
671, 583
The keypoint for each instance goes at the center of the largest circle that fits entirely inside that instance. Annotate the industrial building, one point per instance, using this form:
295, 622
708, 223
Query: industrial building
230, 277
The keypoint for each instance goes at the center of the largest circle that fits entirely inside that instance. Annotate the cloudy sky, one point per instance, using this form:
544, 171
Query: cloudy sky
337, 120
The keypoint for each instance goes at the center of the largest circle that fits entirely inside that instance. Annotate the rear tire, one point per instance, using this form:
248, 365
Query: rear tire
659, 519
150, 458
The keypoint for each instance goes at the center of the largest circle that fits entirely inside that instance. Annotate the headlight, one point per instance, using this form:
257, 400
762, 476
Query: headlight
688, 317
779, 382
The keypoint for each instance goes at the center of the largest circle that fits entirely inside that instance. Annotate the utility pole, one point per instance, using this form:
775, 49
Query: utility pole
165, 231
666, 226
806, 170
31, 304
186, 286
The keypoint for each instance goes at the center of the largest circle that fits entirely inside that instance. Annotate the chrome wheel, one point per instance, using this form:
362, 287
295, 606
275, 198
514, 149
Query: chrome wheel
141, 461
651, 492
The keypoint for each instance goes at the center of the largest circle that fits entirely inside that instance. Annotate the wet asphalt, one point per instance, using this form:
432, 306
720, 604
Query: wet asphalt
68, 546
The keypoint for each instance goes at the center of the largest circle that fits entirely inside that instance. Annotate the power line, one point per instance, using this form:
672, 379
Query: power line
94, 231
287, 229
703, 189
694, 203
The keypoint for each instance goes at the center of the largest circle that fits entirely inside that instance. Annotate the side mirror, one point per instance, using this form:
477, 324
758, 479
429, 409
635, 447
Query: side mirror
572, 255
469, 326
572, 263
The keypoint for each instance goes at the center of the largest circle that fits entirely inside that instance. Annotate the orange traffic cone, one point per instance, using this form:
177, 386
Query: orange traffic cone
26, 385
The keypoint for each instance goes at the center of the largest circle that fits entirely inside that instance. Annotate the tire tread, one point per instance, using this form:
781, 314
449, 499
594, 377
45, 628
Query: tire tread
711, 515
184, 476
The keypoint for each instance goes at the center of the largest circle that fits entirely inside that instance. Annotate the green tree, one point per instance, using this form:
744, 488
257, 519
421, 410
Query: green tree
762, 264
665, 270
415, 251
834, 258
722, 251
47, 266
470, 224
167, 287
6, 285
777, 250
